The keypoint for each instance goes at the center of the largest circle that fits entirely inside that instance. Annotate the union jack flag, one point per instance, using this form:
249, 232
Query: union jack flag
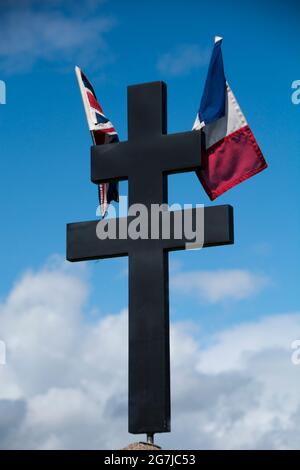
102, 132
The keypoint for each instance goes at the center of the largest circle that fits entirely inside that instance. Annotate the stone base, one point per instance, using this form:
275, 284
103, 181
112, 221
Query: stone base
141, 446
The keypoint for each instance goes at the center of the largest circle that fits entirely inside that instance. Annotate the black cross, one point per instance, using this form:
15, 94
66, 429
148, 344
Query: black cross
145, 160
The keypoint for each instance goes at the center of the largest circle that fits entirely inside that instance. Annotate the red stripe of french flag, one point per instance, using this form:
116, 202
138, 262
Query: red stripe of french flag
232, 154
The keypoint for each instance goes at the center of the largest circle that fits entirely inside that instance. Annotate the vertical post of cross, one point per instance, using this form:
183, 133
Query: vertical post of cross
149, 349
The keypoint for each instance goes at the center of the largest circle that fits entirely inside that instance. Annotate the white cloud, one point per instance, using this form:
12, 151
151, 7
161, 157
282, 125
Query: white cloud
33, 31
64, 373
182, 60
248, 340
65, 381
241, 391
219, 285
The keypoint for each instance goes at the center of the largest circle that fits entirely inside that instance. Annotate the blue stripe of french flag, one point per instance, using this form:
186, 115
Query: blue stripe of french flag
231, 154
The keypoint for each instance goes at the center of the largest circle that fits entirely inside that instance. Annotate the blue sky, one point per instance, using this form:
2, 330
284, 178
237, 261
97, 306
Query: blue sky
44, 165
45, 142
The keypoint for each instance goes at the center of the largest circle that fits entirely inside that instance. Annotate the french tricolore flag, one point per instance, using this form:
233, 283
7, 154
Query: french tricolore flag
231, 153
